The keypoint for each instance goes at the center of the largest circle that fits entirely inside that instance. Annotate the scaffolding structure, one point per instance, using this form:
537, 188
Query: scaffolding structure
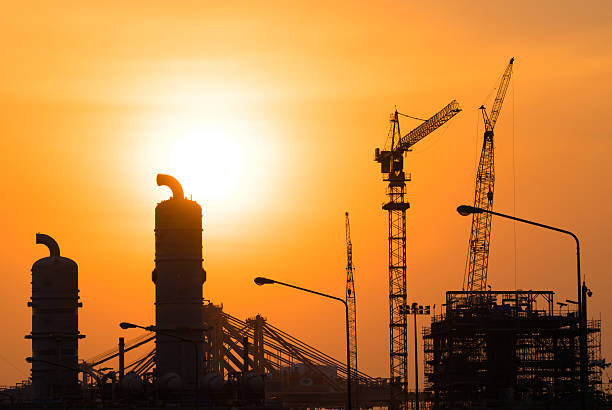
511, 347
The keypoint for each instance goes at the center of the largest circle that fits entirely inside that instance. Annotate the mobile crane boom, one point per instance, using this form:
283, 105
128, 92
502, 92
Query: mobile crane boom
352, 305
475, 278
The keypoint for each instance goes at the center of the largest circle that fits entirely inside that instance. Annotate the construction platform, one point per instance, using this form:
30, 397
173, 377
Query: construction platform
507, 349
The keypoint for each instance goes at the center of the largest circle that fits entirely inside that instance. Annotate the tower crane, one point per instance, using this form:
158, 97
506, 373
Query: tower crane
352, 303
475, 278
392, 167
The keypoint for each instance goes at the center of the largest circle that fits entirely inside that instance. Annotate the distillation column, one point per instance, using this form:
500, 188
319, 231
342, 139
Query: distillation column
178, 278
55, 324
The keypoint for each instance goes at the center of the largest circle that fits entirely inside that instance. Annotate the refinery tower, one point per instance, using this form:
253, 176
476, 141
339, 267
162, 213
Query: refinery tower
178, 278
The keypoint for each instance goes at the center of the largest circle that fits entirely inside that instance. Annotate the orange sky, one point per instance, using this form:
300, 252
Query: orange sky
269, 112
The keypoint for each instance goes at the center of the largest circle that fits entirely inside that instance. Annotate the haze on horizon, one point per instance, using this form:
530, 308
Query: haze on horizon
269, 115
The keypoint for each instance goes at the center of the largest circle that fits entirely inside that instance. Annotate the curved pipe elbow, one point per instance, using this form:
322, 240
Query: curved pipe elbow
172, 183
49, 242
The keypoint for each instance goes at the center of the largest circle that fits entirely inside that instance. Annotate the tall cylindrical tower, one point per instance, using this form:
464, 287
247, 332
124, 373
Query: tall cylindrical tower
178, 278
55, 324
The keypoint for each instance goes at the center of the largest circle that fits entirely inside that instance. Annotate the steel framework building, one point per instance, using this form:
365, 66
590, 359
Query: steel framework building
512, 347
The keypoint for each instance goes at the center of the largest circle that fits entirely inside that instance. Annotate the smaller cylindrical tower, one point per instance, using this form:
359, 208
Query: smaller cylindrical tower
178, 278
55, 324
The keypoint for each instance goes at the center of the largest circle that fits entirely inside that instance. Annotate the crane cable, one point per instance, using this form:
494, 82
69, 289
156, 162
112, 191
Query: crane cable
388, 142
419, 119
389, 137
496, 85
514, 182
410, 116
433, 142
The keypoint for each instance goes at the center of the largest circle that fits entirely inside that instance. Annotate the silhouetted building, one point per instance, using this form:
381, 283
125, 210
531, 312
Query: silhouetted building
507, 349
178, 278
55, 324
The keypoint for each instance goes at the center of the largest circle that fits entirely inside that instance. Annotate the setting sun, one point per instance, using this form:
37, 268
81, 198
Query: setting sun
213, 141
209, 157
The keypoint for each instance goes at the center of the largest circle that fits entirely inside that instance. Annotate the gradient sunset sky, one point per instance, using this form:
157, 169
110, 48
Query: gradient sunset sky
269, 113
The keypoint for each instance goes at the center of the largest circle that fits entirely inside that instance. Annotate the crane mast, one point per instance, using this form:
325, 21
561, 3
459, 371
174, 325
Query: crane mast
352, 305
475, 278
391, 162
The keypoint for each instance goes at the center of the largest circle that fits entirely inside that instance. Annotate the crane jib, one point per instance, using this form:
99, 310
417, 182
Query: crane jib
475, 278
429, 126
501, 94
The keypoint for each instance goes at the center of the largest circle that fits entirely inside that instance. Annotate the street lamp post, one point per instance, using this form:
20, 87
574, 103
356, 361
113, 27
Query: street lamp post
265, 281
466, 210
414, 310
126, 325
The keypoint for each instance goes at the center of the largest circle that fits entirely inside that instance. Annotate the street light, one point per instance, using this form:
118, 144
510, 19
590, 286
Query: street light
466, 210
152, 328
415, 309
265, 281
127, 325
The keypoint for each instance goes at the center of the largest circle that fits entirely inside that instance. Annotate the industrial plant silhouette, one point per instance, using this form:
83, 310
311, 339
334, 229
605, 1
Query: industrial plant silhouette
488, 349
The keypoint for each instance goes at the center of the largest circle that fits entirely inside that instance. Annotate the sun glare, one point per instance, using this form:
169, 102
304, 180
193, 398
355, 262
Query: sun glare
208, 160
220, 161
212, 136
